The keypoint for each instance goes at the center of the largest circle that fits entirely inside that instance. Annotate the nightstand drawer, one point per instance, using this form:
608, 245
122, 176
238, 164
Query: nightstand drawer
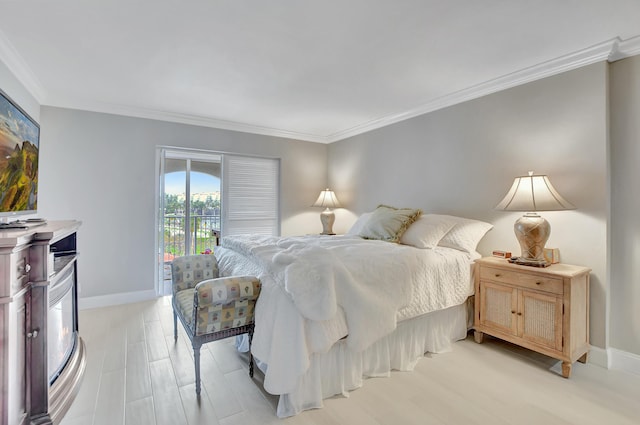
524, 280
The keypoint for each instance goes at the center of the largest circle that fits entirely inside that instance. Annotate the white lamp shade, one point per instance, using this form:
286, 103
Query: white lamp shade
327, 199
533, 193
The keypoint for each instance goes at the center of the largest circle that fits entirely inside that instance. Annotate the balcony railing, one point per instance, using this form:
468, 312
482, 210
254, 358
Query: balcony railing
203, 229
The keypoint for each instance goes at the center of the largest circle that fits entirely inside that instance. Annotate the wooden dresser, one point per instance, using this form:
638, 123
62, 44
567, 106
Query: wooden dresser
542, 309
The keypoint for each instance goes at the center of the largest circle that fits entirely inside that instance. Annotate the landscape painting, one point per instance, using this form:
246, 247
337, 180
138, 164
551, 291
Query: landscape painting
19, 142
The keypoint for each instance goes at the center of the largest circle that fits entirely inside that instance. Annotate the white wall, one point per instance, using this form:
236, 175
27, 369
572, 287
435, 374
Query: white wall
625, 205
101, 169
462, 160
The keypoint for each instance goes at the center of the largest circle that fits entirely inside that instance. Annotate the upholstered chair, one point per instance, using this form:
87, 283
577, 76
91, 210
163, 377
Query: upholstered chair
211, 307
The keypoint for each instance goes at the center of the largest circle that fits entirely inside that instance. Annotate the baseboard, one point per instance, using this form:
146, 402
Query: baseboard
625, 361
599, 357
115, 299
613, 358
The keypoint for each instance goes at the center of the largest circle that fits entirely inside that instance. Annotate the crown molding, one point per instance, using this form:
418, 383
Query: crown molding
590, 55
19, 68
190, 119
611, 51
625, 48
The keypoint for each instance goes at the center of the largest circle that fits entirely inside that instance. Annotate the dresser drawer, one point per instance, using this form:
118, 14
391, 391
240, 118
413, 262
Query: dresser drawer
523, 280
21, 267
14, 272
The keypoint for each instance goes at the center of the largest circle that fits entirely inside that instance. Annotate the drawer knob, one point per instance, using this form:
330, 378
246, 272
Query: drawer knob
519, 314
538, 283
498, 275
33, 334
26, 268
513, 312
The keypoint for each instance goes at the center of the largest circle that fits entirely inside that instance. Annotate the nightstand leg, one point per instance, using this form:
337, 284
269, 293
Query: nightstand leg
584, 358
478, 336
566, 369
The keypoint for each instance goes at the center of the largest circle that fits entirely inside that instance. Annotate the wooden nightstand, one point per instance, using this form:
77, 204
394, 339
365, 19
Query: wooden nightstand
542, 309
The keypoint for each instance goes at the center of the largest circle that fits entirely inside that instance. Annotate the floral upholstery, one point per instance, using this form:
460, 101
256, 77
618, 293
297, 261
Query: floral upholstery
211, 307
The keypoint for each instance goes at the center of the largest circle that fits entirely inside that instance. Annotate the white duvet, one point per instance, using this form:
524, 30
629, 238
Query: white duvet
318, 289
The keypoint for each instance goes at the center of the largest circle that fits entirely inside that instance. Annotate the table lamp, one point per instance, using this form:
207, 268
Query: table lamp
531, 194
327, 199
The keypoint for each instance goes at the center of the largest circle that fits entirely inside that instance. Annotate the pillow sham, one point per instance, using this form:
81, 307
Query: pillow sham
465, 234
427, 231
388, 223
357, 226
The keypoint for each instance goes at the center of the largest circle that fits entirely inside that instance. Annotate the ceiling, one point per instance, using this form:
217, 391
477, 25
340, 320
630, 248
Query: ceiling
318, 71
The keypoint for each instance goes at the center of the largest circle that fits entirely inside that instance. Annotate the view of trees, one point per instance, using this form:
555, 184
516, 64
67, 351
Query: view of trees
202, 229
174, 204
204, 223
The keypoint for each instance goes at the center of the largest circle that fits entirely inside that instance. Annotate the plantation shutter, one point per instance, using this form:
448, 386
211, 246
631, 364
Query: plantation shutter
250, 196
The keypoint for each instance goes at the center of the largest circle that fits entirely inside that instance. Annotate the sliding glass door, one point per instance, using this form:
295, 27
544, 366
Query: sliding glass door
204, 195
190, 207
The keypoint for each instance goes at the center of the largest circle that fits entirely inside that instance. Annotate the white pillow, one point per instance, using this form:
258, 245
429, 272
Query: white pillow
356, 228
427, 231
465, 234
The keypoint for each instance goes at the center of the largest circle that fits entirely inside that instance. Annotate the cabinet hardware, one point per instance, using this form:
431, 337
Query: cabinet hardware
33, 334
26, 268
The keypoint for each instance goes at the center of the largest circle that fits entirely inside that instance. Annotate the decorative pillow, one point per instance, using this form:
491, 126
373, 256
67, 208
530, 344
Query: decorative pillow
357, 226
465, 234
427, 231
388, 223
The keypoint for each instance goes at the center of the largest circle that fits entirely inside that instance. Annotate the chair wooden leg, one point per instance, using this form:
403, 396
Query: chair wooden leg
196, 362
175, 325
250, 356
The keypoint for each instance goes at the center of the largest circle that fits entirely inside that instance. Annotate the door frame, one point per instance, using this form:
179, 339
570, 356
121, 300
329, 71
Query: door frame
162, 153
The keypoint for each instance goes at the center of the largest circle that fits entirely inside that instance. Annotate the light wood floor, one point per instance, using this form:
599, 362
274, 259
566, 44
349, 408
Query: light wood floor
136, 375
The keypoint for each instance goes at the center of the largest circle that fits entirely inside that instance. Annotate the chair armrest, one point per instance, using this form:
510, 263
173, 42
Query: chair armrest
225, 290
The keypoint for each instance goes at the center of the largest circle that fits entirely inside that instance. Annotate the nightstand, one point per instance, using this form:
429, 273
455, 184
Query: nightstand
542, 309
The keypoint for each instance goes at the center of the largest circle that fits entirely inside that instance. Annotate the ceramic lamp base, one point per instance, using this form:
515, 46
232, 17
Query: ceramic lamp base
532, 232
327, 218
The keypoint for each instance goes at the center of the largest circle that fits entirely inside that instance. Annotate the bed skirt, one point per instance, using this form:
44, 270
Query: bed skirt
340, 370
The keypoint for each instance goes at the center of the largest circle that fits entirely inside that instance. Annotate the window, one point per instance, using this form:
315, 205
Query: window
251, 202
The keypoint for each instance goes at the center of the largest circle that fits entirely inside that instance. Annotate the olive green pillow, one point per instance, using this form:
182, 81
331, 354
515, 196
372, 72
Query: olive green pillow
388, 223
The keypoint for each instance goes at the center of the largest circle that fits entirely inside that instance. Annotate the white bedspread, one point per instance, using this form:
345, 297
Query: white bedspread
318, 289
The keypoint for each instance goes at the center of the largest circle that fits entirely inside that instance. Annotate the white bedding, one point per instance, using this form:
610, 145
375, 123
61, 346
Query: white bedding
319, 289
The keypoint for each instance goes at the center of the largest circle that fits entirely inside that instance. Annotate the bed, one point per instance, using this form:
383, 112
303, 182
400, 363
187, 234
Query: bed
335, 310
